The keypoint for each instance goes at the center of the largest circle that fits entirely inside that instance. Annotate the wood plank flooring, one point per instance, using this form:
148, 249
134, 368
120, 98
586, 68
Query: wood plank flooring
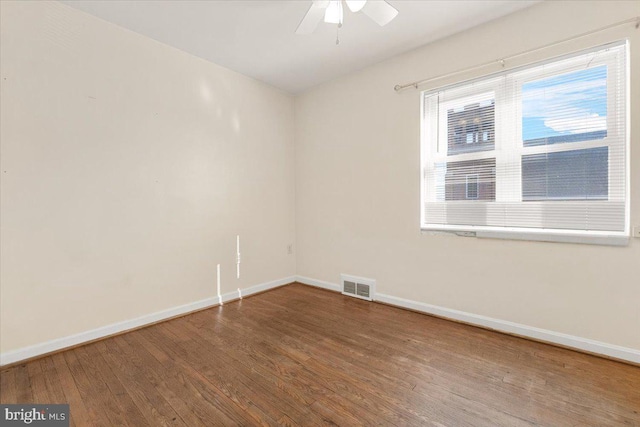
303, 356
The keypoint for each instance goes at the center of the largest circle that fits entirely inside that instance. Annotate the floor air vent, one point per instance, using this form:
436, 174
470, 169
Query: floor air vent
358, 287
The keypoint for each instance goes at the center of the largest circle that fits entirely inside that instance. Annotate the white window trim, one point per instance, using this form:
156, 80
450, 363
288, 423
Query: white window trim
428, 152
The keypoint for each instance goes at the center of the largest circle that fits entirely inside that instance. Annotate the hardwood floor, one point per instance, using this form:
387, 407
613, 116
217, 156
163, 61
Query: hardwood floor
303, 356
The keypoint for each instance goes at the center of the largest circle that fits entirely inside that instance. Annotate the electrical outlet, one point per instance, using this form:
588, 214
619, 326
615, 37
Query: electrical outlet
289, 249
636, 231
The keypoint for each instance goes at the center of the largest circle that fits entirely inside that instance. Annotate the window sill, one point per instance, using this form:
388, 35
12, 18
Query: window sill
593, 238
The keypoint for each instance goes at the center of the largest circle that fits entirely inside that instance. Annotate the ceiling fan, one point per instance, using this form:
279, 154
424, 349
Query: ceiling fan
379, 11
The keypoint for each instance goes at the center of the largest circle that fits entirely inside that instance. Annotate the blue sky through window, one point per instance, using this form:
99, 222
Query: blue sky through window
566, 105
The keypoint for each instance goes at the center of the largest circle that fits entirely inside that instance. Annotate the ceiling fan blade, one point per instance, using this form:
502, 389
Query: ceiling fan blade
313, 17
380, 11
355, 5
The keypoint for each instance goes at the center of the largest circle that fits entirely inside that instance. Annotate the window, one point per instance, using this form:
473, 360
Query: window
472, 186
535, 153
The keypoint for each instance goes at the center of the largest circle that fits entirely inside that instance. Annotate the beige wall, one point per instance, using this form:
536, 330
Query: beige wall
128, 168
357, 191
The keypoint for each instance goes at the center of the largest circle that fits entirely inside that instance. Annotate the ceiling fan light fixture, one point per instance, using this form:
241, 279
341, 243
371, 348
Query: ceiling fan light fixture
334, 13
380, 11
355, 5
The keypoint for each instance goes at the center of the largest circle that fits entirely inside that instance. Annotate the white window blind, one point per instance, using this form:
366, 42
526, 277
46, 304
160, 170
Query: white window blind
538, 152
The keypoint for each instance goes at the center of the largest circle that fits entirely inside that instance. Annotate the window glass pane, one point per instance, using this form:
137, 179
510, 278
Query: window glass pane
471, 127
468, 180
566, 175
472, 186
565, 108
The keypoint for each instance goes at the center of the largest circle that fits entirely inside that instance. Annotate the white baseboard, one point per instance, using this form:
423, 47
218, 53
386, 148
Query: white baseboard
584, 344
578, 343
318, 283
115, 328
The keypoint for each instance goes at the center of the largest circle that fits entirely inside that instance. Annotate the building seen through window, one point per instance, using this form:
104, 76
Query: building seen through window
471, 129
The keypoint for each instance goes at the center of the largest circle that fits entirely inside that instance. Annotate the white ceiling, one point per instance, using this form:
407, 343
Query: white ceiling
257, 38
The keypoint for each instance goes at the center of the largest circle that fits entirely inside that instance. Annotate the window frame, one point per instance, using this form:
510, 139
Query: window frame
507, 85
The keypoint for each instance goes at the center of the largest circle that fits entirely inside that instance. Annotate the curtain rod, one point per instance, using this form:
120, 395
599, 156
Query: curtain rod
418, 83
